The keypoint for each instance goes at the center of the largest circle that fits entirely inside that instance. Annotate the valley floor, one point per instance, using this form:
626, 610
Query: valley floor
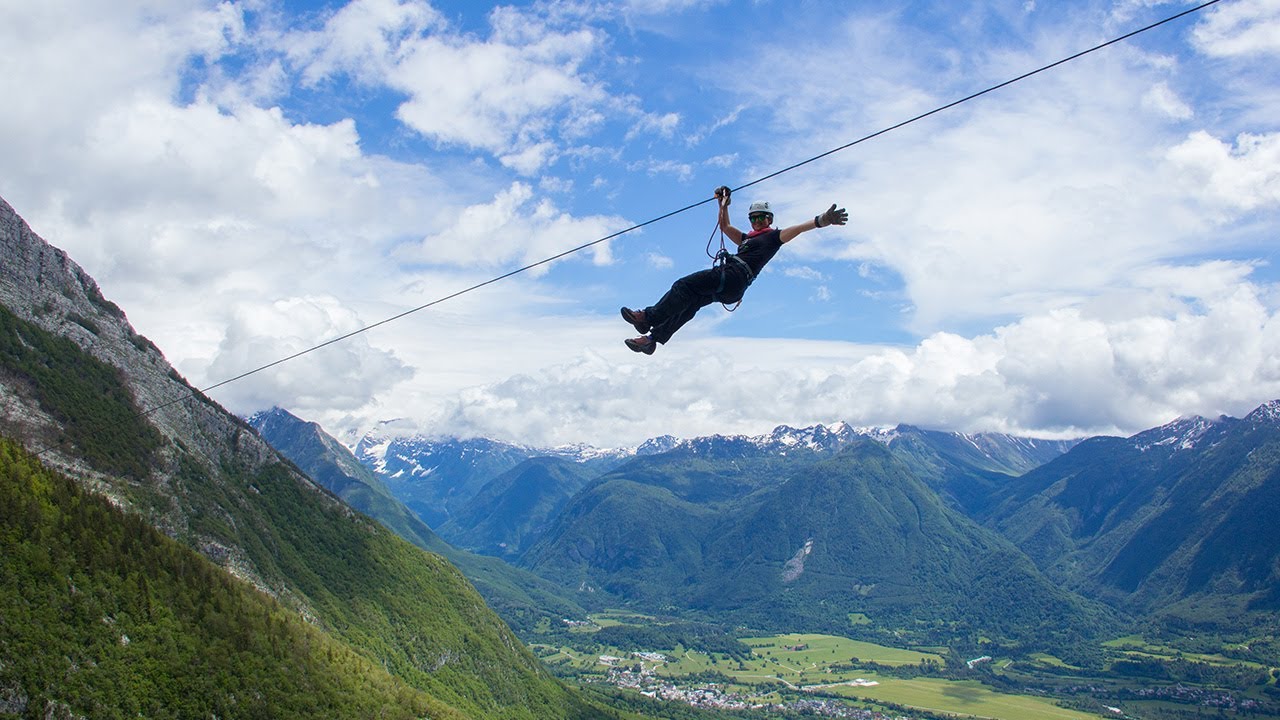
830, 676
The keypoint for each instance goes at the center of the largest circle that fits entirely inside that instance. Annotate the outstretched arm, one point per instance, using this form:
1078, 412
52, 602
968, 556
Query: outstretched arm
733, 233
830, 217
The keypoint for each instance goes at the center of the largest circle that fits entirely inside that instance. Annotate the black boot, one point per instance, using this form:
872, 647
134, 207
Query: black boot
637, 320
643, 344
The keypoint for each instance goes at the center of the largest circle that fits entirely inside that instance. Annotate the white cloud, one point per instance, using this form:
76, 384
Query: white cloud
365, 38
65, 62
1164, 101
490, 95
515, 226
1020, 202
805, 273
663, 7
1236, 29
531, 159
1243, 176
681, 171
518, 95
340, 377
661, 262
663, 125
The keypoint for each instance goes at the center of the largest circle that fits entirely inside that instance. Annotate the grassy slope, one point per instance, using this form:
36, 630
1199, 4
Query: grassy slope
103, 615
519, 597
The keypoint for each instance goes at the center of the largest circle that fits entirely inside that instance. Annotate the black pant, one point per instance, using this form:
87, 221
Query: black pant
690, 294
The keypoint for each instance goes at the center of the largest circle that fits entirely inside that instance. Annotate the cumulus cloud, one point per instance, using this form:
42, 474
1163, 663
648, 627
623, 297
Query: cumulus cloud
364, 38
340, 377
530, 159
521, 94
514, 226
1235, 29
64, 65
492, 95
1243, 175
1023, 201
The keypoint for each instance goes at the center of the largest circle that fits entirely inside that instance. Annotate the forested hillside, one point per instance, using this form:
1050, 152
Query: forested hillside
102, 615
800, 543
1177, 522
521, 598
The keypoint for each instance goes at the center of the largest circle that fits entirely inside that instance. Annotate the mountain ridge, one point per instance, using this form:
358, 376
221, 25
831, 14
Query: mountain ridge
1176, 520
803, 546
519, 597
212, 483
438, 475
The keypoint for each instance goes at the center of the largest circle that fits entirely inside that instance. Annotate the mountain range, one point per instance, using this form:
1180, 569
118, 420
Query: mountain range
801, 527
791, 531
435, 477
802, 530
438, 476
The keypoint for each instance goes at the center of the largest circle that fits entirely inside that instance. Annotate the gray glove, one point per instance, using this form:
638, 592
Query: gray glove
832, 217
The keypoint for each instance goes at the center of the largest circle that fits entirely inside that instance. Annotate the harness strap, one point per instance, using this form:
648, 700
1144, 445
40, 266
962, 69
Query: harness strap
750, 275
722, 264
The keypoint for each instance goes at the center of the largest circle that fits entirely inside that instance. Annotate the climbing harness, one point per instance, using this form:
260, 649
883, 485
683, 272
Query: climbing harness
722, 261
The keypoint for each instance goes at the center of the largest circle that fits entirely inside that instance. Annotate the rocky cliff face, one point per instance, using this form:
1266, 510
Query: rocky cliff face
42, 285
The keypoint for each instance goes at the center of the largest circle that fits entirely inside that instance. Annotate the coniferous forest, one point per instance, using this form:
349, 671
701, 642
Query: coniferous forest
106, 615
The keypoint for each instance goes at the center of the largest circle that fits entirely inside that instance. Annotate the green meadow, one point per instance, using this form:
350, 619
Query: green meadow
811, 650
826, 664
960, 697
1135, 646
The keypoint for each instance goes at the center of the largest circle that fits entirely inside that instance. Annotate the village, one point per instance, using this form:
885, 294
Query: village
638, 673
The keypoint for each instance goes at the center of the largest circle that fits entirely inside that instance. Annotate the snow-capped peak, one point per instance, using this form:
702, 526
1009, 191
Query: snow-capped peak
1268, 412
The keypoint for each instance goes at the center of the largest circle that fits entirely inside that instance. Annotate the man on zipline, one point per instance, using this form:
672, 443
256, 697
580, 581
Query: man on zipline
728, 280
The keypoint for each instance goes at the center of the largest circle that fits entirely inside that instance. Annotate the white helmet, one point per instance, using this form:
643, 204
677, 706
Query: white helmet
759, 206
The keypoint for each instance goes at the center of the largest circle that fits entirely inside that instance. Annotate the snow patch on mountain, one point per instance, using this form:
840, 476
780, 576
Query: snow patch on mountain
1184, 433
392, 454
375, 454
658, 445
1268, 412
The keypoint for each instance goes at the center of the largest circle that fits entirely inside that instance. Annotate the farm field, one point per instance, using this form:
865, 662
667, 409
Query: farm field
961, 697
818, 665
808, 649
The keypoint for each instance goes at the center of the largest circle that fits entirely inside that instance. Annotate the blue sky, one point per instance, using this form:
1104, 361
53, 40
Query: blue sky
1090, 250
